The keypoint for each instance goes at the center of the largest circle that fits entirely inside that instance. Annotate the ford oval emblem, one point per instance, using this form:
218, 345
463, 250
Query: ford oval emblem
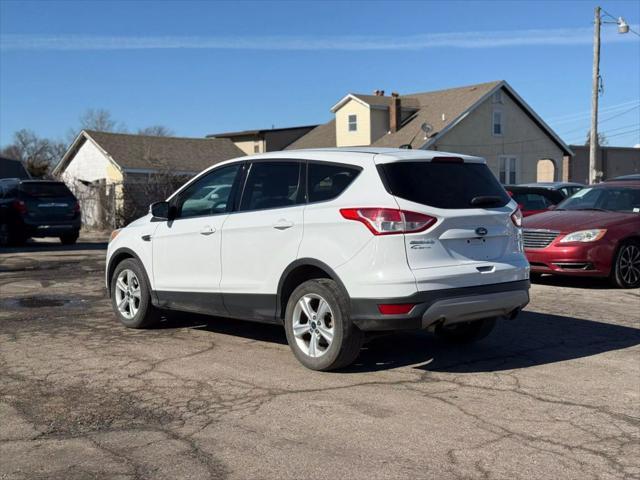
481, 231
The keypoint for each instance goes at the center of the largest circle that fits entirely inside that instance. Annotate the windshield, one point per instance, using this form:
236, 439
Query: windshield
615, 199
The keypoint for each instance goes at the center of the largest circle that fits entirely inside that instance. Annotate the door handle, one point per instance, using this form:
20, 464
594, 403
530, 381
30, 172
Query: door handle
283, 224
208, 230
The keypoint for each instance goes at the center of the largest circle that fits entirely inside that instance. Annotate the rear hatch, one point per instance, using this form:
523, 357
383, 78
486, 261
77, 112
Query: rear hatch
472, 210
48, 201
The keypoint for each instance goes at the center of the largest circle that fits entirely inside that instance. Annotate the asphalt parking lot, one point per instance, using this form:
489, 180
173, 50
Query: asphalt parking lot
553, 394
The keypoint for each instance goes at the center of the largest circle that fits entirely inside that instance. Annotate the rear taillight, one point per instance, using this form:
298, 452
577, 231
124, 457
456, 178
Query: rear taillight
76, 207
387, 221
20, 207
516, 218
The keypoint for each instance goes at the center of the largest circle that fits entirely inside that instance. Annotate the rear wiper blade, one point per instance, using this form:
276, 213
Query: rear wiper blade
486, 200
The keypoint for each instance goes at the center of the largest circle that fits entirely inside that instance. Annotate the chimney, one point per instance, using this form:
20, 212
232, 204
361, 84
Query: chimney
394, 113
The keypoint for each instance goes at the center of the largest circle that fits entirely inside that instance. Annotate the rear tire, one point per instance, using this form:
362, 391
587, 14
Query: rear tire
466, 332
69, 238
319, 329
134, 310
625, 272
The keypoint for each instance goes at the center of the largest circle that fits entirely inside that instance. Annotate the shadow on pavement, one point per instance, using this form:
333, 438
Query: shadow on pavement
53, 246
532, 339
592, 283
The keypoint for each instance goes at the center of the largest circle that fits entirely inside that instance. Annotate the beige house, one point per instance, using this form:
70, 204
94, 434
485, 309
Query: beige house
489, 120
267, 140
117, 174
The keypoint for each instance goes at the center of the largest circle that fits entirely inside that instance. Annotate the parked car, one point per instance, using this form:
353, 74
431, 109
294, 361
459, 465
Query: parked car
596, 233
331, 243
565, 188
532, 200
37, 208
625, 178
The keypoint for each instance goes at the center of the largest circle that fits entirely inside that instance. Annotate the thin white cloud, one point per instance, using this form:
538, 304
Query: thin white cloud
474, 40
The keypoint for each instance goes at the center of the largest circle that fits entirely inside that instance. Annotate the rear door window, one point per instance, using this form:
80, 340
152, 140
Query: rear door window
443, 184
327, 181
273, 185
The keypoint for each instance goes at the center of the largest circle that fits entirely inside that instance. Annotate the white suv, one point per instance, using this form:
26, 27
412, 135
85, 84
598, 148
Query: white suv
331, 243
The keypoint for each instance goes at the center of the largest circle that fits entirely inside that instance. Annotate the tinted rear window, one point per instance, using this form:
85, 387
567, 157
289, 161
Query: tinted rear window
46, 189
442, 185
532, 201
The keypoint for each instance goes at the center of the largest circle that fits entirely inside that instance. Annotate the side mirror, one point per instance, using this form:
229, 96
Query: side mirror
159, 210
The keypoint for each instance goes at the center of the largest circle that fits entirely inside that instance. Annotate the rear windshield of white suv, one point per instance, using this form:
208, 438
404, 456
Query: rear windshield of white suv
444, 184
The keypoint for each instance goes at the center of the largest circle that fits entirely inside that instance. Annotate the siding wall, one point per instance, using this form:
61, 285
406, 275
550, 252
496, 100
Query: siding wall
362, 137
612, 161
521, 138
90, 164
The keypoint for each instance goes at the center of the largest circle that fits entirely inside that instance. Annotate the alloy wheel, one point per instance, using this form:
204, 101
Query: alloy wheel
629, 264
128, 294
313, 325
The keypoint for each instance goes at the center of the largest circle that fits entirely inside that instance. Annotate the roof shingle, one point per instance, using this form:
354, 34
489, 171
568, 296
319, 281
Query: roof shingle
173, 153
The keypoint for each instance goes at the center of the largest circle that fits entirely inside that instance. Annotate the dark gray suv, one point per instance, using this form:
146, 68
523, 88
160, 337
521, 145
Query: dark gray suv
37, 208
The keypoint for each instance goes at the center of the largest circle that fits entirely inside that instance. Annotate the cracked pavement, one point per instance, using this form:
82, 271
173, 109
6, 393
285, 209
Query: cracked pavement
553, 394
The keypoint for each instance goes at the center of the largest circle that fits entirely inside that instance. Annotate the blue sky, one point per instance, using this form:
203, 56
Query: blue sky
205, 67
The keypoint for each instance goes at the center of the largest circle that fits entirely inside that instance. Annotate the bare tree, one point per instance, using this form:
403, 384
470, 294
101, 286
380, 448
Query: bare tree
156, 131
37, 154
97, 119
602, 139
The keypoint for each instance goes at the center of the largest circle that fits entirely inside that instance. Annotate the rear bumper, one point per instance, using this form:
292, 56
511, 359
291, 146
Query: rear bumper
51, 229
590, 260
445, 306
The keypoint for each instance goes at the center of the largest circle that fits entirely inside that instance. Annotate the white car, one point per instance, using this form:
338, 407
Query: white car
332, 244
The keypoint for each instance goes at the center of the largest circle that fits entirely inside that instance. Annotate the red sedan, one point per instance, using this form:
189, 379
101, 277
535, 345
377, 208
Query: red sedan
595, 232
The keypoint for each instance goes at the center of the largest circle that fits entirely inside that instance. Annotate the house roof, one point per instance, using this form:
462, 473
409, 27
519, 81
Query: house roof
441, 109
257, 132
144, 152
320, 137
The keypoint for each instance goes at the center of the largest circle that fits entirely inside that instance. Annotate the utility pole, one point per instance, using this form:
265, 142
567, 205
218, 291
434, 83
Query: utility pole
593, 139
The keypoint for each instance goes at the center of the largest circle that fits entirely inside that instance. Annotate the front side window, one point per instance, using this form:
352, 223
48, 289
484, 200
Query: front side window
497, 129
353, 123
208, 195
327, 181
272, 185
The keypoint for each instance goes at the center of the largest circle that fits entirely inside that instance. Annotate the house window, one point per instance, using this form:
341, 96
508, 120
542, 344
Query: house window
353, 123
496, 124
256, 148
508, 170
497, 97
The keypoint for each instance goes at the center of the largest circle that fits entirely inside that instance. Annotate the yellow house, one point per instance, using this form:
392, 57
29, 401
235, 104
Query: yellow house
489, 120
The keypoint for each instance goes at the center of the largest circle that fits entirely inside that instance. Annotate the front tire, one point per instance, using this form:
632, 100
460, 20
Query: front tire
626, 265
466, 332
319, 329
131, 295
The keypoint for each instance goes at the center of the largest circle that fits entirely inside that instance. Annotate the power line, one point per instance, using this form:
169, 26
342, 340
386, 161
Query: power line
603, 120
571, 117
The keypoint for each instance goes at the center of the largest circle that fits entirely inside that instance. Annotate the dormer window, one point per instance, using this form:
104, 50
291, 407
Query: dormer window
353, 123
